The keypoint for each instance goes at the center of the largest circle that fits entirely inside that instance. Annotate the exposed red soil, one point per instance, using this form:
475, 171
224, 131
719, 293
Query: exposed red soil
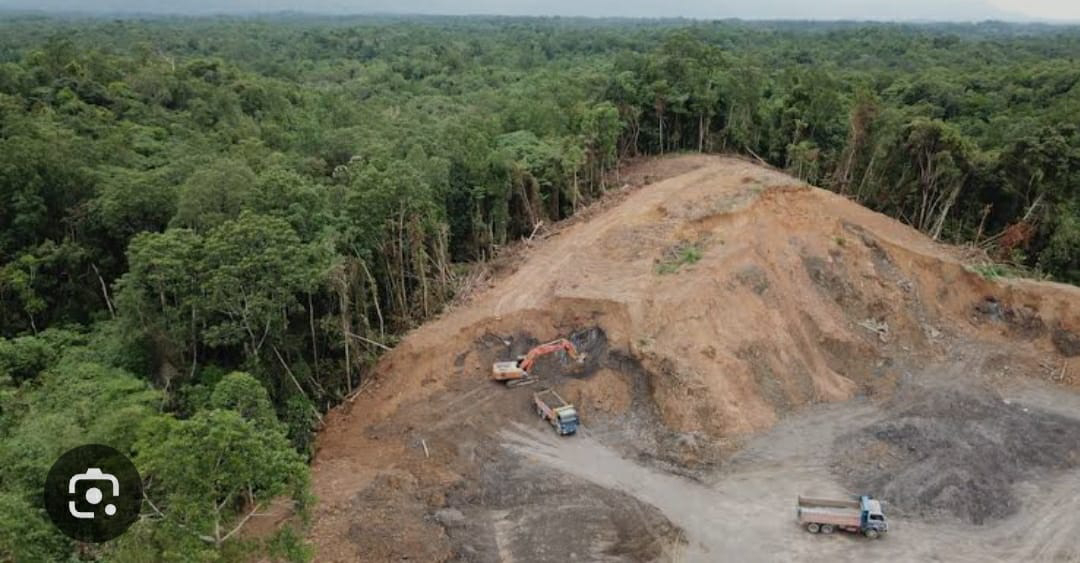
799, 296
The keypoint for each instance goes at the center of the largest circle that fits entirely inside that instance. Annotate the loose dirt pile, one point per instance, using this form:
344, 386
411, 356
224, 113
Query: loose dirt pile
710, 304
955, 451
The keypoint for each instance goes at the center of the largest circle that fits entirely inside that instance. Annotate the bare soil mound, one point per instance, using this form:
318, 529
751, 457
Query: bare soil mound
710, 303
955, 451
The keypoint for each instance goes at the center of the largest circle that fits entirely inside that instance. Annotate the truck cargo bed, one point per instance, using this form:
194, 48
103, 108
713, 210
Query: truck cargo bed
835, 516
551, 399
811, 502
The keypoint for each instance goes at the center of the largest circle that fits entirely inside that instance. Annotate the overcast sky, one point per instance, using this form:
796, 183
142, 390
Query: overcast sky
955, 10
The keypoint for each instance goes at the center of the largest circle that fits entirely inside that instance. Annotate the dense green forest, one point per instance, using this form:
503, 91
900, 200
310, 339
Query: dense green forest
210, 228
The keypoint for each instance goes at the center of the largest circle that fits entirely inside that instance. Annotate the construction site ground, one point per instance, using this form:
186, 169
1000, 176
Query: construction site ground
747, 339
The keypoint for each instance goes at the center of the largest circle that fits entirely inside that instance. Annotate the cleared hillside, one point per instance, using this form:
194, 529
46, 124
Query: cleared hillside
712, 304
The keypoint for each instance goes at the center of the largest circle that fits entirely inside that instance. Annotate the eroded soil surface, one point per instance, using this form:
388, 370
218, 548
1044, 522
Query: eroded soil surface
1025, 493
814, 348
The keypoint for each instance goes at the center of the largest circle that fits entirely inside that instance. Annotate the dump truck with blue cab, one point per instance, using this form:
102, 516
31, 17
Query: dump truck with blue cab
554, 409
861, 515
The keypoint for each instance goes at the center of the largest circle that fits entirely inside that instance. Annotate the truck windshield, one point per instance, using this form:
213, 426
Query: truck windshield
877, 517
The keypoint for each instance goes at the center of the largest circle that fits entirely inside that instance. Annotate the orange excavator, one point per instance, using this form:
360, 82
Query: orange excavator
516, 373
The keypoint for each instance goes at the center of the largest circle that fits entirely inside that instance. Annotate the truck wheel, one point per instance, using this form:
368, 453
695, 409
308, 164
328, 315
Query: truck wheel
813, 528
827, 528
872, 534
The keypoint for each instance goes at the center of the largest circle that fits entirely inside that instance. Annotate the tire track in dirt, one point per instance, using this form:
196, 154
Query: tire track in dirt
742, 512
1053, 535
694, 398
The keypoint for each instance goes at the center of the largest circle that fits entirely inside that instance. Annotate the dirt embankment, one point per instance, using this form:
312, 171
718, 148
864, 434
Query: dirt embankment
711, 305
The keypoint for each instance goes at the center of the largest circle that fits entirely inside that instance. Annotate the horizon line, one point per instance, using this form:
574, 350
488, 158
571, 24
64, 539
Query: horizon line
128, 13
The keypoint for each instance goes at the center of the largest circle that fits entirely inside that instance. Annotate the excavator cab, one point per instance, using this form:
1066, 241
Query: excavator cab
511, 373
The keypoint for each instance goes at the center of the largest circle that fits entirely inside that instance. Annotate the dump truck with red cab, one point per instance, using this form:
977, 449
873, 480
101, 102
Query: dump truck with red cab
861, 515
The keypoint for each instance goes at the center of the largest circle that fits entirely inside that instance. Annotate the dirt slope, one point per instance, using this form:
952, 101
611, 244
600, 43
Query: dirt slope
798, 297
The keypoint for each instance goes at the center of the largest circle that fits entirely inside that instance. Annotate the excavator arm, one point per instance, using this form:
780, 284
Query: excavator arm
544, 349
517, 372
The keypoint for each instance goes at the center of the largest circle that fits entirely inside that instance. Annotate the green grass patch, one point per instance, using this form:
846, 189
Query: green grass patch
998, 270
678, 256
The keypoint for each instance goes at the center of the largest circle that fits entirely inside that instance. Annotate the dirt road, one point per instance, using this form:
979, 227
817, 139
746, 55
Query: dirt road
746, 511
742, 325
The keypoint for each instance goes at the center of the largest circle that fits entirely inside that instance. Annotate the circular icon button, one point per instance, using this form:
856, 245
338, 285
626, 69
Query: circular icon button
93, 493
